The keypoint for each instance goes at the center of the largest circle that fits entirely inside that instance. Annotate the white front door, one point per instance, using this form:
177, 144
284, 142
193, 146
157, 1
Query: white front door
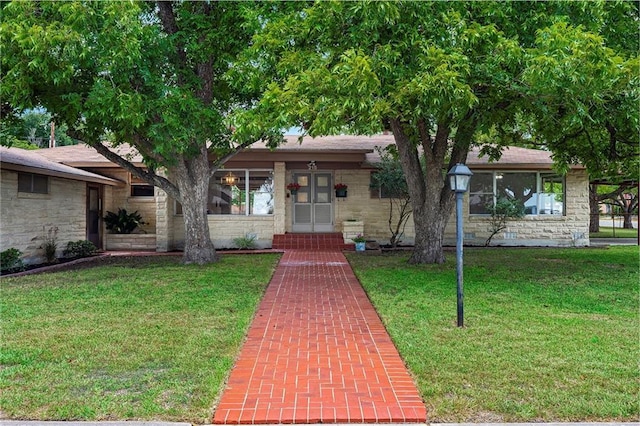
313, 204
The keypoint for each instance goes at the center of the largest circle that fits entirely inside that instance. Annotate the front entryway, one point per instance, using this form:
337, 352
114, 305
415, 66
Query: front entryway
313, 202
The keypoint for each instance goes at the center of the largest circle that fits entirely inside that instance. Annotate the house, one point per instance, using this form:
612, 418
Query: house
250, 196
38, 196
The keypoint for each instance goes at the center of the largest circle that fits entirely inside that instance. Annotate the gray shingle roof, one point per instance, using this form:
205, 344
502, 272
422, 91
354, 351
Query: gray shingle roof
32, 162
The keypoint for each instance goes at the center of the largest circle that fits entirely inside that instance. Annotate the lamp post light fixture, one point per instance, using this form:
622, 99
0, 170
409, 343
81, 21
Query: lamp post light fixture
459, 177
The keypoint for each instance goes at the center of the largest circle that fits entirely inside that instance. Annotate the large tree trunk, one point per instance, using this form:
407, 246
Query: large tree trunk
431, 201
431, 198
594, 209
192, 178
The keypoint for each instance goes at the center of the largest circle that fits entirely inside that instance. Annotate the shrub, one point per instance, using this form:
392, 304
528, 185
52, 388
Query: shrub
247, 242
50, 244
504, 210
123, 222
10, 260
80, 248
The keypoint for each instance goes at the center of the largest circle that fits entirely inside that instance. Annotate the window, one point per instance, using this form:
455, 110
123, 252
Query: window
139, 187
539, 193
239, 192
480, 193
378, 191
32, 183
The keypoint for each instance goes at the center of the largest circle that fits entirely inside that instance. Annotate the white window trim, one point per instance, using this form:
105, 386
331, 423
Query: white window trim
538, 174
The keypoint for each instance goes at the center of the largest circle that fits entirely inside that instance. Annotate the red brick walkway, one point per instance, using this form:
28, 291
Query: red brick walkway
318, 352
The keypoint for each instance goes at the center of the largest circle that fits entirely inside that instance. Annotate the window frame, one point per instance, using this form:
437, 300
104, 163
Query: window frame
539, 174
134, 182
32, 177
244, 175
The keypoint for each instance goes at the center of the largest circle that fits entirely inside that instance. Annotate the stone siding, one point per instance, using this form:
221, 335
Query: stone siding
544, 230
572, 229
224, 228
27, 217
146, 242
120, 197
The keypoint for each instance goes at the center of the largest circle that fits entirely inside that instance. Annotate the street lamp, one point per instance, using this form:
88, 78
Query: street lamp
459, 176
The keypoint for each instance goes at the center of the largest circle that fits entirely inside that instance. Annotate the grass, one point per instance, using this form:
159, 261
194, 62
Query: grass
550, 334
137, 338
608, 232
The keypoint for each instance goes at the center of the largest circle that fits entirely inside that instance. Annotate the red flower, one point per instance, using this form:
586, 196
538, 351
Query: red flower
340, 186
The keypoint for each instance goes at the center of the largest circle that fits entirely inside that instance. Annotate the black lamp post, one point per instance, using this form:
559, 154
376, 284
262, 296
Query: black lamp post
459, 176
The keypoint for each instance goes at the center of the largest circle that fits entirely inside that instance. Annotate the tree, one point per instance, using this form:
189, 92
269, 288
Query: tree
437, 74
34, 127
389, 180
504, 210
151, 74
622, 197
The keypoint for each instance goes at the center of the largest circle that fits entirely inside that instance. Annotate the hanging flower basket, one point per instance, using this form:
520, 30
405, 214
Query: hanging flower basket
293, 187
341, 190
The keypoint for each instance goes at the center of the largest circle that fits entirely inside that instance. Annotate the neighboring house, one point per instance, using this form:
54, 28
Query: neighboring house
250, 196
38, 195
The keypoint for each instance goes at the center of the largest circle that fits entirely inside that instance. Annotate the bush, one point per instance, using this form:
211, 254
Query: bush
10, 260
247, 242
80, 248
50, 244
123, 222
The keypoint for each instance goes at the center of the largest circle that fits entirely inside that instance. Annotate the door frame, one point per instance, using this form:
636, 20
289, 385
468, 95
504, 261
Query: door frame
99, 188
313, 227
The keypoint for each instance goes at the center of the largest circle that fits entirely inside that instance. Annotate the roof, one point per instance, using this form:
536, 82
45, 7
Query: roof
83, 155
22, 160
340, 143
512, 157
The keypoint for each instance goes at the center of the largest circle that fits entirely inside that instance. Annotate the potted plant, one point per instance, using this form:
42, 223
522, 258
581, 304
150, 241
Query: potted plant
341, 190
360, 242
293, 187
123, 222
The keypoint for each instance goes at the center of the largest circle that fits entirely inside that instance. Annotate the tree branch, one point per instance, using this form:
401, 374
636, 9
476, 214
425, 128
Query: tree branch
147, 175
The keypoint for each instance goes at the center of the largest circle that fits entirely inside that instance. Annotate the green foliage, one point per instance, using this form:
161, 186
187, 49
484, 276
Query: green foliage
359, 239
389, 179
34, 127
50, 244
504, 210
246, 242
440, 75
10, 260
80, 248
157, 75
123, 222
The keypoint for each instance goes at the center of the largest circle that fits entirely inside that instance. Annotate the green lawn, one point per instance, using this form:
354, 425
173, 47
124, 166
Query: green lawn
139, 338
608, 232
551, 334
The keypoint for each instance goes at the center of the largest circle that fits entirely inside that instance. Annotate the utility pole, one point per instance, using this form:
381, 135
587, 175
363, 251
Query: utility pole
52, 138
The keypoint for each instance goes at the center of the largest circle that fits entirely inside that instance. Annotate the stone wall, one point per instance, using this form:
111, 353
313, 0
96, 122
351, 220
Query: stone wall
224, 228
572, 229
146, 242
26, 217
359, 205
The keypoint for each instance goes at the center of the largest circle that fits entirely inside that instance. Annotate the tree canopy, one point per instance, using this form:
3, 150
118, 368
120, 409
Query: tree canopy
444, 76
151, 74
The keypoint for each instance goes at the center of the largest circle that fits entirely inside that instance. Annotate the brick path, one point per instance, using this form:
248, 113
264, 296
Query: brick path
318, 352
